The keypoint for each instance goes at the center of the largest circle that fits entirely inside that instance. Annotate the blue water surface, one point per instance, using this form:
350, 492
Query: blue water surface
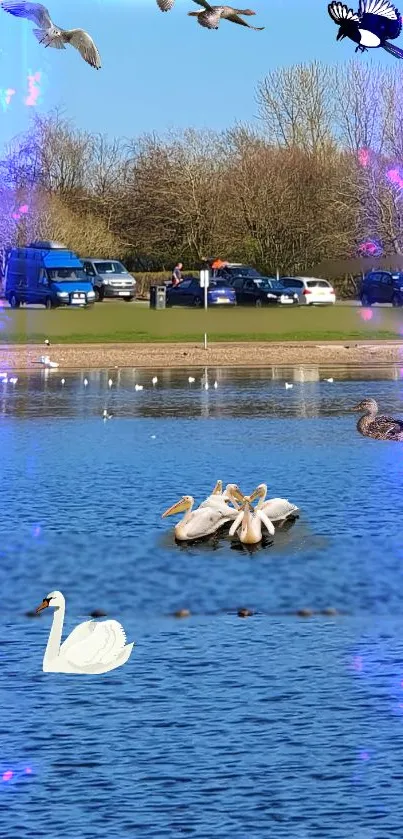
272, 726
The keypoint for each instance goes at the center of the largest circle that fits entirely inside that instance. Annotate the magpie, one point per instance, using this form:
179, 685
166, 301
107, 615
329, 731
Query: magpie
375, 24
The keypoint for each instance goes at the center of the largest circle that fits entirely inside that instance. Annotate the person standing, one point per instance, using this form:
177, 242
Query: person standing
177, 274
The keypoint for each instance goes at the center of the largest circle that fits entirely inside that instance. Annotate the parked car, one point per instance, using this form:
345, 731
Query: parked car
311, 292
110, 279
46, 273
189, 293
234, 269
382, 287
262, 291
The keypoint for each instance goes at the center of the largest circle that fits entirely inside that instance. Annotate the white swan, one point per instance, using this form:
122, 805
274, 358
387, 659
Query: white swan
90, 648
276, 509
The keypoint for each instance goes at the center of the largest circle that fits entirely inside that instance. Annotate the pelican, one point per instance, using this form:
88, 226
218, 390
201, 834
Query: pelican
110, 382
191, 380
13, 380
85, 382
219, 499
62, 381
138, 387
288, 385
276, 509
197, 524
105, 415
251, 521
154, 380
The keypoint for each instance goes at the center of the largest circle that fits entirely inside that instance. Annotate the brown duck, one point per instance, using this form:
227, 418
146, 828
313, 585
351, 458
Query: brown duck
211, 16
377, 426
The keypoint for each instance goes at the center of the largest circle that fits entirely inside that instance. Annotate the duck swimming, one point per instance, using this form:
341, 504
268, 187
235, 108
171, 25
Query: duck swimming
377, 426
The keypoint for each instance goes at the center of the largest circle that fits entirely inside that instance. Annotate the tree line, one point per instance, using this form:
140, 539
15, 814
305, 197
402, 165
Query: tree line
307, 181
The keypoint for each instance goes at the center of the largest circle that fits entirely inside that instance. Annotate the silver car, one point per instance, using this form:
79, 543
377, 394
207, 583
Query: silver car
110, 279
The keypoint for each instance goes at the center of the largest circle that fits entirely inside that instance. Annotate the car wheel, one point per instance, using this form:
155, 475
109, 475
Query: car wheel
98, 298
258, 303
49, 303
197, 302
365, 301
396, 300
14, 302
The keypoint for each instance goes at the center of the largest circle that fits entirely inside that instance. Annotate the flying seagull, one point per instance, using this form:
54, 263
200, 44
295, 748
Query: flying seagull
165, 5
212, 15
51, 35
375, 24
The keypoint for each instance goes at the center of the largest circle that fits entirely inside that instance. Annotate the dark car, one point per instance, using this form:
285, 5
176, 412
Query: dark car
262, 291
190, 293
382, 287
229, 272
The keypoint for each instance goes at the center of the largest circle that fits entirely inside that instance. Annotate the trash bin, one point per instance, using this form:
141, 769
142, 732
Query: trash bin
158, 296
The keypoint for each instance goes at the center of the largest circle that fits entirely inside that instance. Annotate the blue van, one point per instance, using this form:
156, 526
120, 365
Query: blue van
47, 273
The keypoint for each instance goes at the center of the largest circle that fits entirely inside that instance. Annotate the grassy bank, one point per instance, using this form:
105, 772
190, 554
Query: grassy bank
130, 323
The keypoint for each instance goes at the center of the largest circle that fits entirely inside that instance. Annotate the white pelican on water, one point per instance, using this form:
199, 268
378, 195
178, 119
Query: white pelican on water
90, 648
219, 496
202, 522
276, 509
251, 521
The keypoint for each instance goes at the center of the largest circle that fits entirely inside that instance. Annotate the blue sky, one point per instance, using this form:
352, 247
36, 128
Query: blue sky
160, 70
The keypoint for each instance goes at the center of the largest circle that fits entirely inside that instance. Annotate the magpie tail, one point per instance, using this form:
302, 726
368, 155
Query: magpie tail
398, 53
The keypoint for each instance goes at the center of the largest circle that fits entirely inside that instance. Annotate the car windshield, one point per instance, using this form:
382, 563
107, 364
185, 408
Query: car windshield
110, 268
67, 274
316, 283
243, 271
264, 282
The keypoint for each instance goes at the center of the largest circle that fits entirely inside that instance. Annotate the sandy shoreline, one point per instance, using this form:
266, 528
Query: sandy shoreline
109, 356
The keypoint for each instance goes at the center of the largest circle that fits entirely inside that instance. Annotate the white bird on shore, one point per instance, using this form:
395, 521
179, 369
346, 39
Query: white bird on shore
138, 387
191, 380
45, 360
105, 415
47, 342
110, 382
13, 380
62, 381
329, 380
287, 385
85, 382
154, 380
216, 385
206, 385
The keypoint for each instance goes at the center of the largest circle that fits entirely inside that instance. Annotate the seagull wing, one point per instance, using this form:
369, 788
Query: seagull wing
236, 19
341, 13
101, 645
165, 5
32, 11
85, 45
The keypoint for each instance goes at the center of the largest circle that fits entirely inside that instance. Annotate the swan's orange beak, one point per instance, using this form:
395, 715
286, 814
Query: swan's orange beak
44, 605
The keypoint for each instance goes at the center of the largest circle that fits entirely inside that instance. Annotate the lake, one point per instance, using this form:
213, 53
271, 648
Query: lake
272, 726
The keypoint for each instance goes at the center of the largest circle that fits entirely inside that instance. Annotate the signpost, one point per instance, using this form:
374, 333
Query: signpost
204, 283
